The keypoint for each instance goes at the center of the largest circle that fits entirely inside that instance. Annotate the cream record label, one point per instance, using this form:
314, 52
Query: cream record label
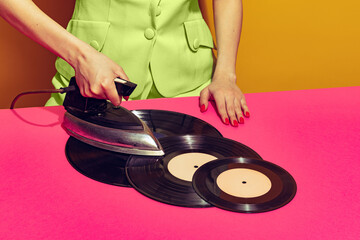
183, 166
244, 184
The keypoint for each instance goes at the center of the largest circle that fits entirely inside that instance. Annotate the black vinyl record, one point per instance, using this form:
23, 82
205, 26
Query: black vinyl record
244, 185
98, 164
167, 123
154, 178
109, 167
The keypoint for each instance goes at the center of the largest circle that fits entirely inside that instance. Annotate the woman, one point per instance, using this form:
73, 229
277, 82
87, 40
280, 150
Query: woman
162, 45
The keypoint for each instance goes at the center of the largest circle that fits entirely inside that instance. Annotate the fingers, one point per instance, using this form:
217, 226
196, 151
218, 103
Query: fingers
112, 94
81, 86
221, 107
231, 108
95, 77
102, 88
238, 112
204, 99
245, 107
121, 73
240, 109
95, 91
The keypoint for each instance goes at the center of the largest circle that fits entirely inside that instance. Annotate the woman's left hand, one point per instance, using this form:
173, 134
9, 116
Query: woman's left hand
229, 99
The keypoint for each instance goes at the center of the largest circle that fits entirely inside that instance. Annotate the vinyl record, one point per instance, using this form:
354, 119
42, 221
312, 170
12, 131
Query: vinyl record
168, 123
168, 179
98, 164
109, 167
244, 185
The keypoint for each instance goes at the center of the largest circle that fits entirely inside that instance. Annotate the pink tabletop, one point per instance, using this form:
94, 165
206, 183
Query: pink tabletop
313, 134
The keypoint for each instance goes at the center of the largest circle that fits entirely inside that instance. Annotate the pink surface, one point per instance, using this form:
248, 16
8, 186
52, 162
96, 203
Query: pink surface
313, 134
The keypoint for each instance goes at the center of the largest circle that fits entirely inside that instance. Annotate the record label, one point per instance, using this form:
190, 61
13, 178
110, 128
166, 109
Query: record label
183, 166
231, 192
243, 182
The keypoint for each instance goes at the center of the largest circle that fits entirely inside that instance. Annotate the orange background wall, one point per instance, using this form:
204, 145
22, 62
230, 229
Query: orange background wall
285, 45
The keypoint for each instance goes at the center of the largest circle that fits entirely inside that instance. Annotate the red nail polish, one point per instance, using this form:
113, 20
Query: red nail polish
247, 114
202, 108
227, 121
126, 98
235, 123
241, 120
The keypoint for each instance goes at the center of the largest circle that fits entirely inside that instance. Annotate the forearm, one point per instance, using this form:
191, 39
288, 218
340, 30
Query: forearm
26, 17
228, 23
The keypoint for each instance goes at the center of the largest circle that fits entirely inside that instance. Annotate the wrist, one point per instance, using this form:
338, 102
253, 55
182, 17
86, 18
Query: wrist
224, 75
224, 71
224, 67
77, 53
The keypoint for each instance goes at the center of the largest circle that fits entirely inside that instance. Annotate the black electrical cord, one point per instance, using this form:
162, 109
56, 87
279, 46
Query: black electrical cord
61, 90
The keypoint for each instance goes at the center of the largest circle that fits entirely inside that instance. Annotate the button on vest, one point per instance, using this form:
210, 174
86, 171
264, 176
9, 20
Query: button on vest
95, 45
149, 33
196, 44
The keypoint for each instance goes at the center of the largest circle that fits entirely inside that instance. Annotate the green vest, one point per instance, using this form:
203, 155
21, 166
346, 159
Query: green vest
170, 36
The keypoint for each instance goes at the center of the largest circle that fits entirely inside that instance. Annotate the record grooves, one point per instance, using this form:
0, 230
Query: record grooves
109, 167
151, 176
97, 164
200, 168
282, 190
167, 123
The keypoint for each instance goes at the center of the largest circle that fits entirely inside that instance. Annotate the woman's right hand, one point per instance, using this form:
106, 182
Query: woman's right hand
95, 74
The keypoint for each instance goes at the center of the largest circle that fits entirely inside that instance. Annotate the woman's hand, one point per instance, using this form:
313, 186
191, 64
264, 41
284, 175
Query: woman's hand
229, 99
95, 74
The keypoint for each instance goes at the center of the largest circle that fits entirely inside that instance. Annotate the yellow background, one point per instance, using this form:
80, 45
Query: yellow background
285, 45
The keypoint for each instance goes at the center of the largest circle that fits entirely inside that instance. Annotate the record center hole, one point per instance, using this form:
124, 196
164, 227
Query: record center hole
196, 166
244, 182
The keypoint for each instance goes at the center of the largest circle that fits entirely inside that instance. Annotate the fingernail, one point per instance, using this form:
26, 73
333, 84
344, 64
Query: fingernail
126, 98
241, 120
226, 121
202, 108
235, 123
247, 114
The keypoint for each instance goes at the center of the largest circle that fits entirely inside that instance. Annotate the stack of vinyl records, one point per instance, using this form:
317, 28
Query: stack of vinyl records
200, 167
